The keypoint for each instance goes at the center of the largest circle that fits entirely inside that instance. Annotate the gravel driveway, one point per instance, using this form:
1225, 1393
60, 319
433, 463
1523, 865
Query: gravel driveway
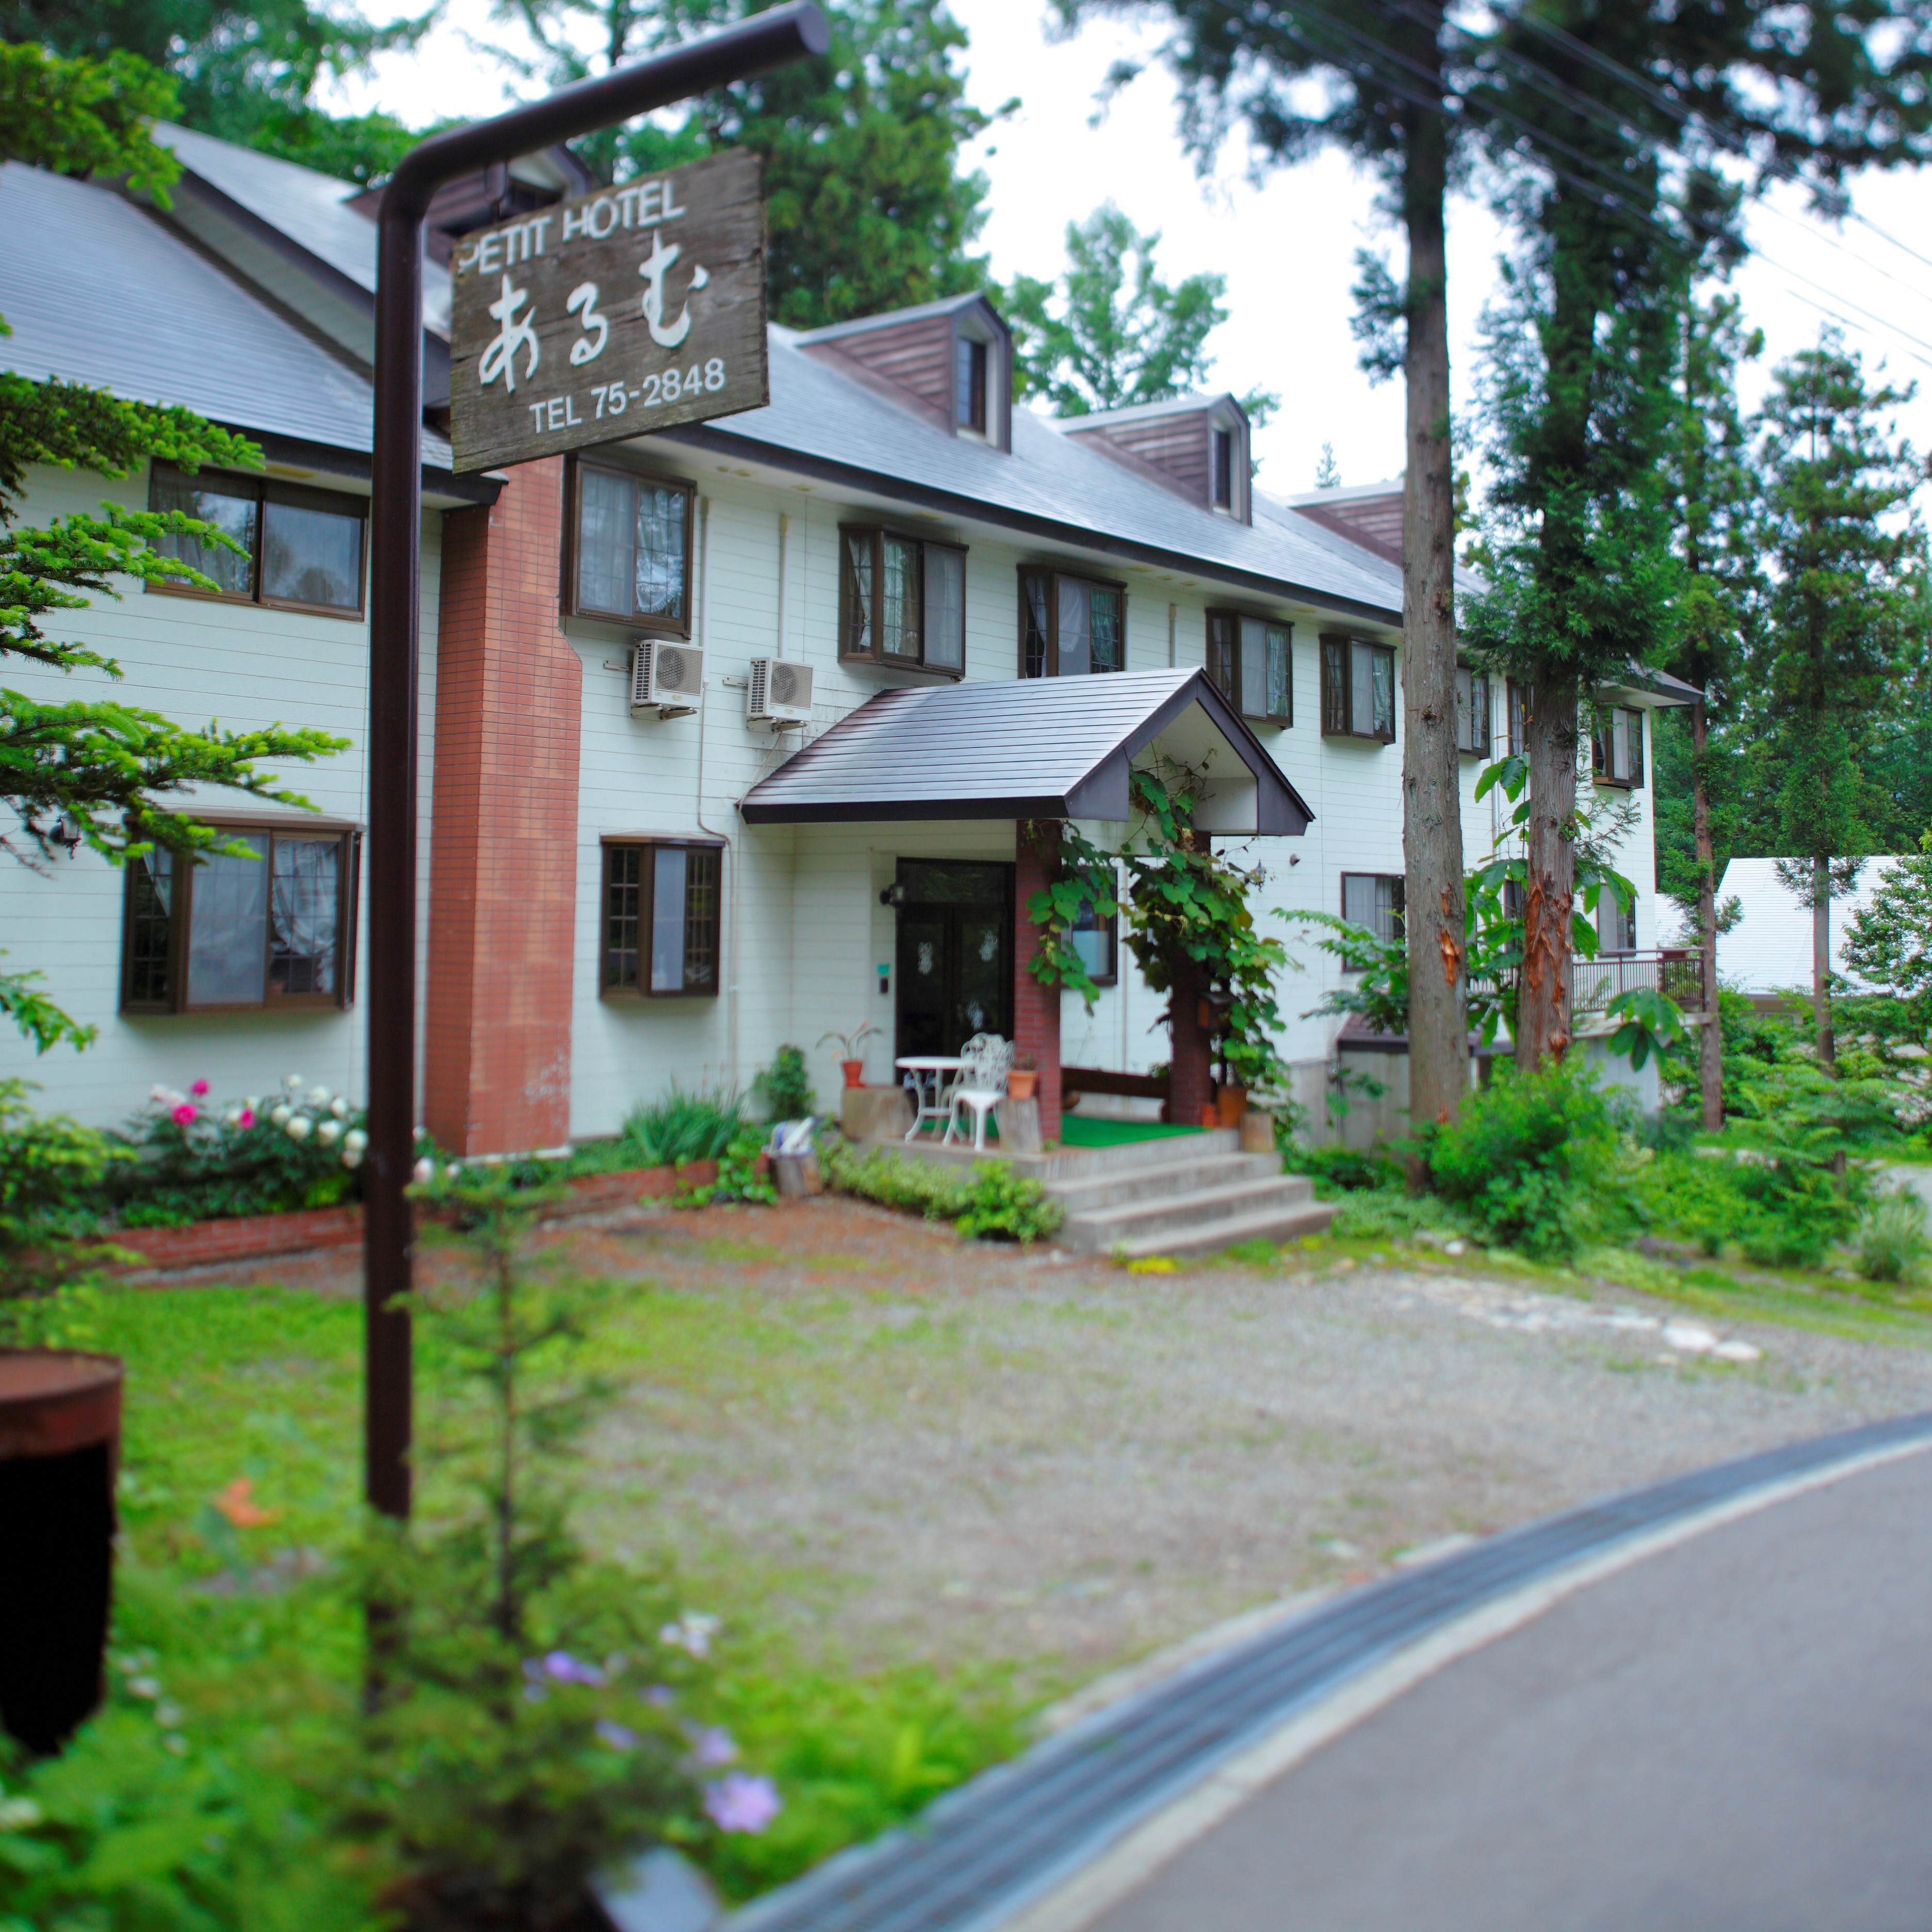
908, 1447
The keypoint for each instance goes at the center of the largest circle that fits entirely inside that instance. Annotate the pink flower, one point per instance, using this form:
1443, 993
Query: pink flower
246, 1118
741, 1802
200, 1089
186, 1114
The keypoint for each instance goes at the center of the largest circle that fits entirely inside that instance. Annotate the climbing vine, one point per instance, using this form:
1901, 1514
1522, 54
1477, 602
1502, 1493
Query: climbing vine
1182, 900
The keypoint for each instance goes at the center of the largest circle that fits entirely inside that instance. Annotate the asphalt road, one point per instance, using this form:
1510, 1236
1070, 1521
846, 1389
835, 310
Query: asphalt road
1736, 1733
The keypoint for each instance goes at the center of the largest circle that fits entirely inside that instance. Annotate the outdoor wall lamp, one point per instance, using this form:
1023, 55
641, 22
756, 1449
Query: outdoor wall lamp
894, 894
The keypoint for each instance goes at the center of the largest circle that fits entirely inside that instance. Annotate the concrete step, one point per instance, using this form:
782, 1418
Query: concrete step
1162, 1219
1289, 1224
1184, 1177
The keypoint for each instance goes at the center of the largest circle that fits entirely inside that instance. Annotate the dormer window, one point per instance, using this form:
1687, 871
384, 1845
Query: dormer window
1224, 470
969, 401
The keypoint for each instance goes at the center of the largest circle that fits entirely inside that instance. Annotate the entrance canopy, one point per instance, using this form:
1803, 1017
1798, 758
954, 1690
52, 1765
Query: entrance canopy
1036, 748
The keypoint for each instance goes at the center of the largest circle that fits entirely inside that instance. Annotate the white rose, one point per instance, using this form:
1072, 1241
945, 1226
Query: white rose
292, 1081
339, 1107
233, 1118
319, 1097
454, 1170
352, 1157
424, 1171
253, 1104
278, 1116
355, 1140
329, 1131
300, 1127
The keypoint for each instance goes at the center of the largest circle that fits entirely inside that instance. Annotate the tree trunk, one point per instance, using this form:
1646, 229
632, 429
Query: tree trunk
1439, 1052
1549, 891
1821, 962
1710, 1038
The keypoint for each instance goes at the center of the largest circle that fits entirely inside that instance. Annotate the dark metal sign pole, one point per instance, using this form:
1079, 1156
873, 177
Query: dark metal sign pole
768, 41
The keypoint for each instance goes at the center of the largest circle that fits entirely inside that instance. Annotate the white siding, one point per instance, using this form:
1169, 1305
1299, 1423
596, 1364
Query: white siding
194, 660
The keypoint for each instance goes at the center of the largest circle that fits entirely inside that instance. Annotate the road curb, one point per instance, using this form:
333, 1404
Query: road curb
1048, 1842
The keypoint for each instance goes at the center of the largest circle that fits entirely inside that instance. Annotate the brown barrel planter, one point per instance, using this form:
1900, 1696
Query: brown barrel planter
60, 1444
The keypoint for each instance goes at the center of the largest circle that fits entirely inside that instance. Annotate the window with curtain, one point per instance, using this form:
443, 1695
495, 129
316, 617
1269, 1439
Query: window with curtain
1070, 626
268, 922
1096, 940
299, 549
1616, 923
1617, 748
631, 543
1249, 664
1357, 689
1374, 900
661, 916
902, 600
1472, 711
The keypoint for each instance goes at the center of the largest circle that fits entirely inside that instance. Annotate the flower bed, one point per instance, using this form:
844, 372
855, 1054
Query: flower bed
256, 1236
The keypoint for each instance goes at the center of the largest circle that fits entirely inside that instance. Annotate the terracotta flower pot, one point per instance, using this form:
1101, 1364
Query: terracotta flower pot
854, 1071
1020, 1081
1231, 1103
60, 1440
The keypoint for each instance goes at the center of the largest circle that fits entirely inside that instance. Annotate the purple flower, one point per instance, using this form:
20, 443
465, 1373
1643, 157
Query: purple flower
658, 1694
741, 1802
568, 1669
619, 1737
711, 1745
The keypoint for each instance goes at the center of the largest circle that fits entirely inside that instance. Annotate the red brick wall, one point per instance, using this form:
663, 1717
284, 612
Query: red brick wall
502, 912
1035, 1008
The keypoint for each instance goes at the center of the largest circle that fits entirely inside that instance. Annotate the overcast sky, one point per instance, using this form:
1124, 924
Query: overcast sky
1287, 245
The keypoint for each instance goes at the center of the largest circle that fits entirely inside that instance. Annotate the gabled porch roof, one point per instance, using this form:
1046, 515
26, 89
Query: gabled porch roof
1034, 748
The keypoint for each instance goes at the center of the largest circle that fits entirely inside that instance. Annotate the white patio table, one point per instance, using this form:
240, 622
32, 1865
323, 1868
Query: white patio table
925, 1081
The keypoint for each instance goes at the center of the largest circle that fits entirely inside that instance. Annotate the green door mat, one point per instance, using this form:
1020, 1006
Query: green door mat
1075, 1132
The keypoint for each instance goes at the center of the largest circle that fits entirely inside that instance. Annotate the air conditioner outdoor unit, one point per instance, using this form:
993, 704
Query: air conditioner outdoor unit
666, 676
778, 693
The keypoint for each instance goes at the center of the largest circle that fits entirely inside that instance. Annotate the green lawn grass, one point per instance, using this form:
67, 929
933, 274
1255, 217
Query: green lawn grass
254, 1633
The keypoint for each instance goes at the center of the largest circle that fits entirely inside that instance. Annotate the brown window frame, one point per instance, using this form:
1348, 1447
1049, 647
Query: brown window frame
645, 886
879, 535
972, 359
1600, 761
181, 914
1110, 926
1487, 734
1519, 697
1221, 467
573, 519
265, 490
1338, 695
1398, 908
1053, 573
1231, 689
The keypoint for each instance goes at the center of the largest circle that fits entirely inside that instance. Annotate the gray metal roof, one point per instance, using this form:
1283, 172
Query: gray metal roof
1039, 748
309, 208
97, 291
1049, 484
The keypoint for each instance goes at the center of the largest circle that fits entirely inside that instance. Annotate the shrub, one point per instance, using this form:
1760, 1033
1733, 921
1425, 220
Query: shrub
683, 1127
737, 1175
1782, 1209
1534, 1162
1390, 1214
1343, 1169
195, 1161
784, 1089
1891, 1237
991, 1201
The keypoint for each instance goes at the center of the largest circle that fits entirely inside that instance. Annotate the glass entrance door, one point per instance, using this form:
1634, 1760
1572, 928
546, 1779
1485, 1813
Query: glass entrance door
955, 965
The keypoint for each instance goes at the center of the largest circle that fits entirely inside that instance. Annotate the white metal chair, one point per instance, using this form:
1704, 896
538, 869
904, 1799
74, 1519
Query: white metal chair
981, 1086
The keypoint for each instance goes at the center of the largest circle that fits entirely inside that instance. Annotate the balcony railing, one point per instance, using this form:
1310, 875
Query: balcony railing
1675, 971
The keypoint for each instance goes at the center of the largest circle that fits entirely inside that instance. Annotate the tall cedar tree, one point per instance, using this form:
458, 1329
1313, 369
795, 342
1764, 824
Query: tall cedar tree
1585, 103
102, 766
866, 208
1381, 67
1846, 559
1719, 590
246, 74
1112, 334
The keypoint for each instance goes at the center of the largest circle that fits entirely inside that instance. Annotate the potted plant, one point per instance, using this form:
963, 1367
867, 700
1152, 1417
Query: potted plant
60, 1424
1022, 1077
852, 1062
1231, 1102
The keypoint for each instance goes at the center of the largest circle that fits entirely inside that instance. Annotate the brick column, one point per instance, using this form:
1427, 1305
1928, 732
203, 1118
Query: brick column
1190, 1079
1036, 1008
502, 909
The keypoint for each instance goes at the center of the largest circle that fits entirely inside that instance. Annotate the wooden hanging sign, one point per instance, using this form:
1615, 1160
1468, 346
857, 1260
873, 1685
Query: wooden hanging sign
636, 308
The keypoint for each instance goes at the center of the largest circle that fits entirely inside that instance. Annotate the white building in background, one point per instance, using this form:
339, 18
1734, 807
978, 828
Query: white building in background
616, 894
1769, 949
